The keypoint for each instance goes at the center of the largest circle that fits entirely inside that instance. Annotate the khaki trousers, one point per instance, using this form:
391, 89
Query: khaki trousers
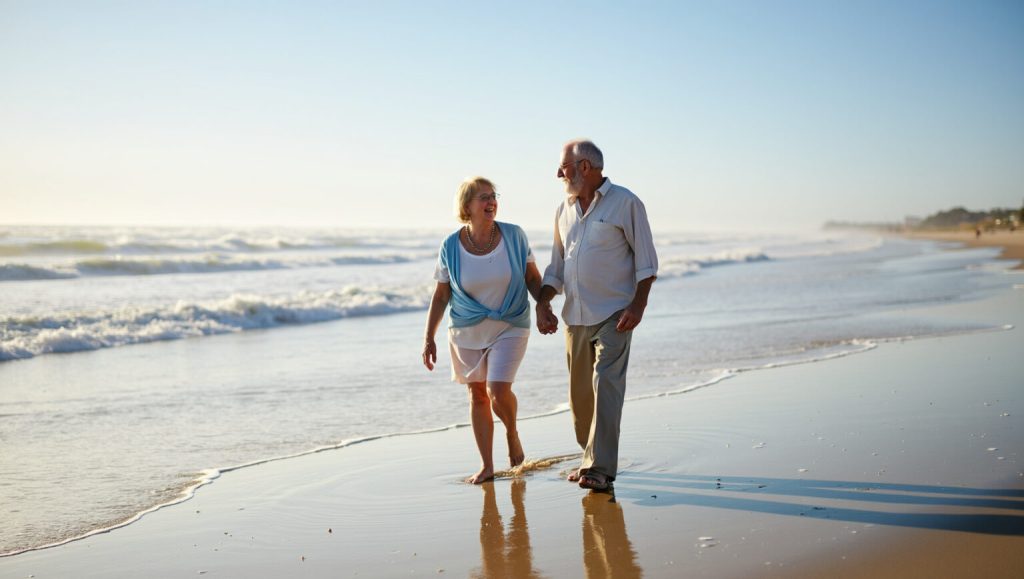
598, 356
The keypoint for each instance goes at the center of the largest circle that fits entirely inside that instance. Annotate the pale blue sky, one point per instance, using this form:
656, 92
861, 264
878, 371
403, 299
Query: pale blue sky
718, 114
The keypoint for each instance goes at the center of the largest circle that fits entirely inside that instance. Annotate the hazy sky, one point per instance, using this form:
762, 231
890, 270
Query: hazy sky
759, 114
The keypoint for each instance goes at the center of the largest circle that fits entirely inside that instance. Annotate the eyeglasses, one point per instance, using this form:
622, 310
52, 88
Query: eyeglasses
564, 165
488, 197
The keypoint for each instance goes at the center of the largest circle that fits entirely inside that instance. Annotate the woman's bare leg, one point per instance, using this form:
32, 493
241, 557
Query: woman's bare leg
505, 405
483, 430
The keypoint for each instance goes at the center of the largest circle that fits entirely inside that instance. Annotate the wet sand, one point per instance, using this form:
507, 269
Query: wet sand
901, 461
1012, 243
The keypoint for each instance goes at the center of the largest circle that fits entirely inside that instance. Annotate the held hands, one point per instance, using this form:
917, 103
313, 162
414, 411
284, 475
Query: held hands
547, 322
429, 353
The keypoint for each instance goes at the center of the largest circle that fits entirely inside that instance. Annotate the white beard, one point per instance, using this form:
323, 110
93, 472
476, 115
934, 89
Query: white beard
574, 186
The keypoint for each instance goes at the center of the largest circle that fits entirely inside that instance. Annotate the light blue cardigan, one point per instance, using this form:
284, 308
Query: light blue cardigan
466, 311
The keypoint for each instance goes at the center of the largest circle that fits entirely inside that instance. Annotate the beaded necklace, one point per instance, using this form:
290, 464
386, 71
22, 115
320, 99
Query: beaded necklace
490, 243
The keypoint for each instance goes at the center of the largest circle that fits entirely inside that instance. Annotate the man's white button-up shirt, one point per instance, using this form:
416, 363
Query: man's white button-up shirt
598, 257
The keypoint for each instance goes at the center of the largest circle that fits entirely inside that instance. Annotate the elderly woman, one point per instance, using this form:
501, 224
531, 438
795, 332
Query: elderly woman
484, 271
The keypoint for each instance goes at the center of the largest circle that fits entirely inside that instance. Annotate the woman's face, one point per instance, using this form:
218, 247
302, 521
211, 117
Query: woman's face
483, 206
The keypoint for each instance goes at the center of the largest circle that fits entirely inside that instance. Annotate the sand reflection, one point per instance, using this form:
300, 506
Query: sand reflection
607, 551
505, 553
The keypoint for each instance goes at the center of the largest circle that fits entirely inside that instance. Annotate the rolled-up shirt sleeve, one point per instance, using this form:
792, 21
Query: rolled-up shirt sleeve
637, 231
554, 274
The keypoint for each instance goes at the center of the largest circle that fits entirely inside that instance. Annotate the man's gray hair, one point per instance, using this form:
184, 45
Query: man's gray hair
584, 149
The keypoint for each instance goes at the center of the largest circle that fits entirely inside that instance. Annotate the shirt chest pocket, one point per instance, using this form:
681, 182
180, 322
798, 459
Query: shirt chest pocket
603, 235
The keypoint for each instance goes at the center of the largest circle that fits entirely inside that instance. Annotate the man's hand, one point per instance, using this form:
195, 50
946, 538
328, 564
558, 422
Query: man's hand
634, 312
547, 321
631, 317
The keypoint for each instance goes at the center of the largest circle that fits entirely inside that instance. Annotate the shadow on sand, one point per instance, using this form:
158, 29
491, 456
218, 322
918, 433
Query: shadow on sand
883, 501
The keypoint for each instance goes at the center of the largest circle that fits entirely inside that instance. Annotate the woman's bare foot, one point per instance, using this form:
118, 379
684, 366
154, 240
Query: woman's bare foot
485, 474
515, 450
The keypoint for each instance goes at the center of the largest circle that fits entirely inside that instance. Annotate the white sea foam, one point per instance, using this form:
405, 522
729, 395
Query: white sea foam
26, 337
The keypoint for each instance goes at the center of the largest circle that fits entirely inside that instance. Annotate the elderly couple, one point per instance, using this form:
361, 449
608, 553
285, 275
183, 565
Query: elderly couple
603, 259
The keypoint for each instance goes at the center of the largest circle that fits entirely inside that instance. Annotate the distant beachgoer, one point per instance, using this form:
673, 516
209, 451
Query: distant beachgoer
603, 258
977, 232
484, 271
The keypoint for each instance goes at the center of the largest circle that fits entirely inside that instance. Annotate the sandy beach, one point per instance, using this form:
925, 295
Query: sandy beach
903, 461
1011, 243
225, 229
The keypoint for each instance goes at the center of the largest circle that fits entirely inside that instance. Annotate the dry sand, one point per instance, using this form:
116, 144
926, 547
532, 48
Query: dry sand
1012, 243
904, 461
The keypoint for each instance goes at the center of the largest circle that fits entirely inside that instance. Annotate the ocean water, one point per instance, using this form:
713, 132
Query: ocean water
137, 363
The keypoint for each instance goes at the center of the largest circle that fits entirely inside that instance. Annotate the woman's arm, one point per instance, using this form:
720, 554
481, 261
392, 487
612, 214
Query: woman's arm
533, 280
438, 303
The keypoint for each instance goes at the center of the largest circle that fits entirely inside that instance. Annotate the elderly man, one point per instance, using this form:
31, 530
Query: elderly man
603, 259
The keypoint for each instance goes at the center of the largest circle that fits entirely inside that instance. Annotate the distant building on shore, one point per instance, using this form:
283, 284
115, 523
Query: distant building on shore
961, 218
957, 218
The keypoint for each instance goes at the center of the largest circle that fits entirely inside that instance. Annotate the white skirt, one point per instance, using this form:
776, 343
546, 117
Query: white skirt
498, 363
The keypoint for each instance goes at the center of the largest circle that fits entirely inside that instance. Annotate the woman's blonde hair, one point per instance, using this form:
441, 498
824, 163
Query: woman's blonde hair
467, 190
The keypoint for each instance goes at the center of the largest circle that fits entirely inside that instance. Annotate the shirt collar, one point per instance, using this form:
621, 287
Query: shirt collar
600, 192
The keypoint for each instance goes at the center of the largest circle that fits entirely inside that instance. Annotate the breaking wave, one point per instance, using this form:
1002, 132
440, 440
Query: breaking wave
689, 265
26, 337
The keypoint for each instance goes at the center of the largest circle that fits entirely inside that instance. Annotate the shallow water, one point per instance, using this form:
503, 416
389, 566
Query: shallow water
176, 375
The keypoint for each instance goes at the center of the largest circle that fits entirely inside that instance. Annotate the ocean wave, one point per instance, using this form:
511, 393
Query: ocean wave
19, 272
239, 243
210, 263
147, 244
689, 265
114, 242
825, 247
59, 247
228, 243
773, 250
26, 337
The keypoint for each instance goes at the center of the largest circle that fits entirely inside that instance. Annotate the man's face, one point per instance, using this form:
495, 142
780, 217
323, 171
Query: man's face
570, 174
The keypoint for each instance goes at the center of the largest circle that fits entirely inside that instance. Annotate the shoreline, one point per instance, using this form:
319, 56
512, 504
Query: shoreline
767, 475
208, 476
1012, 244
